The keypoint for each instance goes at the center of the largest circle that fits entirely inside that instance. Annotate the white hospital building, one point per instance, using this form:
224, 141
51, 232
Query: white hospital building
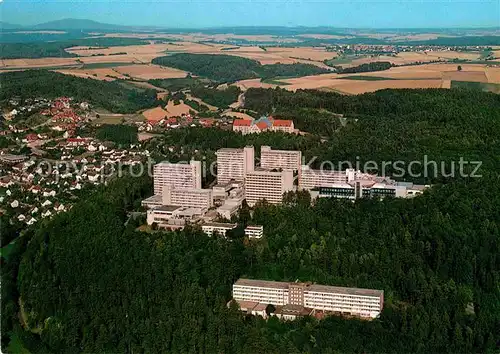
180, 175
284, 159
268, 185
233, 164
292, 298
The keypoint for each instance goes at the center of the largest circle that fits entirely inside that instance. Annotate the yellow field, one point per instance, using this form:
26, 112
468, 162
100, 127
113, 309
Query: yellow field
419, 76
146, 72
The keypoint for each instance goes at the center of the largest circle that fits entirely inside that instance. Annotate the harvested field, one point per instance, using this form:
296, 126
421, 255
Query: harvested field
493, 75
312, 54
36, 63
369, 86
177, 110
454, 55
252, 83
147, 72
106, 74
474, 76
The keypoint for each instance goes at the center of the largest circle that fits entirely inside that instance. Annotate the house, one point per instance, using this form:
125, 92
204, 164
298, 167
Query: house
30, 220
14, 204
35, 189
46, 203
46, 214
21, 217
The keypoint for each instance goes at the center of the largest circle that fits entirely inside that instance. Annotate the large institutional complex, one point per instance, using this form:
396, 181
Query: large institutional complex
247, 126
295, 299
180, 175
239, 178
234, 164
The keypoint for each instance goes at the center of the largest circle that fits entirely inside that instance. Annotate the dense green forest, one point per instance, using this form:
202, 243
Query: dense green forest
120, 134
109, 95
177, 84
363, 68
102, 286
229, 68
56, 49
221, 98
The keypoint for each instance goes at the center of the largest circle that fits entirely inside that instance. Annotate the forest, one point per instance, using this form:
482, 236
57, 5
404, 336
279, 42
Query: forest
108, 95
104, 286
217, 97
363, 68
57, 48
229, 68
119, 134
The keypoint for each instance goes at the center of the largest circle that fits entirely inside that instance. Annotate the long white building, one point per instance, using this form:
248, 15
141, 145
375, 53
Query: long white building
233, 164
179, 175
188, 197
268, 185
284, 159
310, 178
365, 303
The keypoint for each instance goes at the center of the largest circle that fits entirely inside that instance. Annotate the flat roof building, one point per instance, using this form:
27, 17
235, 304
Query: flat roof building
284, 159
179, 175
267, 185
256, 231
217, 227
233, 164
190, 197
367, 303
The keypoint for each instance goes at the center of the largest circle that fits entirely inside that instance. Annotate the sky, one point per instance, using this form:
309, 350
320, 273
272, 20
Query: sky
223, 13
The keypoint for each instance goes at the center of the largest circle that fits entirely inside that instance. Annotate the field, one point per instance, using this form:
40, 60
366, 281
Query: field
147, 72
133, 62
421, 76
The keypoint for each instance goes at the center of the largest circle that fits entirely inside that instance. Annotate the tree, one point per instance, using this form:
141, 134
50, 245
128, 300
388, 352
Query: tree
270, 309
459, 68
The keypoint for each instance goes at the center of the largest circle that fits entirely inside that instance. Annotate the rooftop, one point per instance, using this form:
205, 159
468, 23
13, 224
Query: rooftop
170, 208
220, 224
309, 287
342, 290
262, 283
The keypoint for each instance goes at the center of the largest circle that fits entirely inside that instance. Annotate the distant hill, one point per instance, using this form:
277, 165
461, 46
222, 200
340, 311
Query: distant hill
9, 26
76, 25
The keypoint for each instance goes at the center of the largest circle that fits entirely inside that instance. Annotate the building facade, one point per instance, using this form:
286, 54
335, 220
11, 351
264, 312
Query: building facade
256, 231
366, 303
310, 178
189, 197
179, 175
267, 185
217, 227
233, 164
284, 159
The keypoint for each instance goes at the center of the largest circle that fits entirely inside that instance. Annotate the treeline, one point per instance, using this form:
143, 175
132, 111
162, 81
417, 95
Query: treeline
220, 98
363, 68
229, 68
176, 84
57, 49
109, 95
117, 133
105, 287
407, 125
